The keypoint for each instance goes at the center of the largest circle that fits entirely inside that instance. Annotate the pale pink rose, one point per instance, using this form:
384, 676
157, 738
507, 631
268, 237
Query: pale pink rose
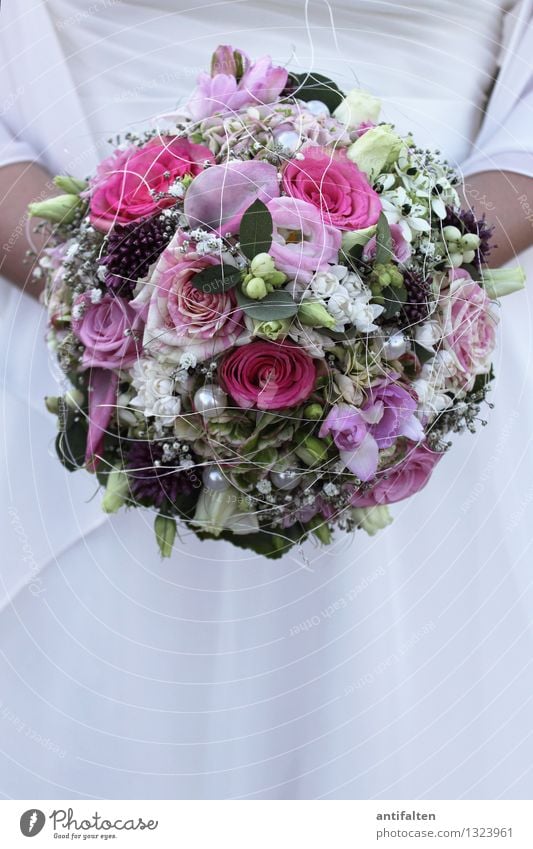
110, 330
328, 180
123, 189
469, 321
268, 375
302, 242
182, 318
401, 481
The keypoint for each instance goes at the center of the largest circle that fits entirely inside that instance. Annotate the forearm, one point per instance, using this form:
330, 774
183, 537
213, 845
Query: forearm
21, 184
507, 200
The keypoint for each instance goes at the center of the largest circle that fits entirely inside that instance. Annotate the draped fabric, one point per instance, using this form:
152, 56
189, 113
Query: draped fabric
393, 667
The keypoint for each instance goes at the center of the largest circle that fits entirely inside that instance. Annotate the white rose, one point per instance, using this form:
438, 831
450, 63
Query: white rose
357, 108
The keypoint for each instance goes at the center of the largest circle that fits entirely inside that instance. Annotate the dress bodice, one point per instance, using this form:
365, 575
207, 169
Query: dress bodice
432, 63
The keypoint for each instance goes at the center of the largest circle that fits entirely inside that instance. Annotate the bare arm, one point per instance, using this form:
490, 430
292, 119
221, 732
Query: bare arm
20, 184
507, 200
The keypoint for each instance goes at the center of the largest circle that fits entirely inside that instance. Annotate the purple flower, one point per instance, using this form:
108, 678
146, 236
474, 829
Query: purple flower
391, 412
154, 482
260, 83
357, 447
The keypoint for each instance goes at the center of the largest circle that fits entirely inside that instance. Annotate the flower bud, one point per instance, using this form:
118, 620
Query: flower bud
314, 314
320, 529
255, 288
358, 107
312, 450
61, 209
223, 61
470, 241
273, 329
372, 519
469, 256
51, 403
451, 234
455, 259
498, 282
70, 184
262, 264
376, 150
165, 533
117, 491
217, 511
74, 399
357, 237
313, 412
275, 279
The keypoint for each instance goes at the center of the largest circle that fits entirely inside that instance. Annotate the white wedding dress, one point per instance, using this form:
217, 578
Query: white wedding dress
397, 666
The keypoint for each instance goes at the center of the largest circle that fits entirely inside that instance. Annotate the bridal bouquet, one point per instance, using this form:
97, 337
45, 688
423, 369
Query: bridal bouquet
269, 316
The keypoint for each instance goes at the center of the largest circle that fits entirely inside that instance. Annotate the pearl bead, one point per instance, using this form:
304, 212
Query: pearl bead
210, 401
316, 107
214, 479
289, 139
286, 480
395, 346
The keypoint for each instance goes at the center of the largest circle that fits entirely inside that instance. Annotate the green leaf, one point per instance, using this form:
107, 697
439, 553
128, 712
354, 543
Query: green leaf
71, 443
383, 240
277, 304
268, 544
317, 87
255, 232
216, 279
395, 297
423, 355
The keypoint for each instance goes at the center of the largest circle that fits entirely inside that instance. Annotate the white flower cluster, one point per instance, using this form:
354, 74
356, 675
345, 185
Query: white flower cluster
415, 191
345, 297
155, 383
206, 243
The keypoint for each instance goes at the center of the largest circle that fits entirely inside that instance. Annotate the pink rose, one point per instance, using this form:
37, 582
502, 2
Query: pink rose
123, 189
401, 249
182, 318
110, 331
469, 319
336, 186
403, 480
268, 375
302, 242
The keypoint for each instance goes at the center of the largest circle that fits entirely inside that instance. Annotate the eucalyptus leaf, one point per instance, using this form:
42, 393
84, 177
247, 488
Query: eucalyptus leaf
395, 297
383, 240
277, 304
255, 232
317, 87
70, 445
423, 355
216, 279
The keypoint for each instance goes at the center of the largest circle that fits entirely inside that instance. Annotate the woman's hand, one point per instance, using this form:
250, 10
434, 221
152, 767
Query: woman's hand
21, 184
507, 200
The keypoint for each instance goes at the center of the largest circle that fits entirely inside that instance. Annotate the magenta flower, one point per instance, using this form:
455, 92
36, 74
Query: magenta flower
128, 182
102, 388
357, 447
336, 186
302, 242
268, 375
403, 480
219, 196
